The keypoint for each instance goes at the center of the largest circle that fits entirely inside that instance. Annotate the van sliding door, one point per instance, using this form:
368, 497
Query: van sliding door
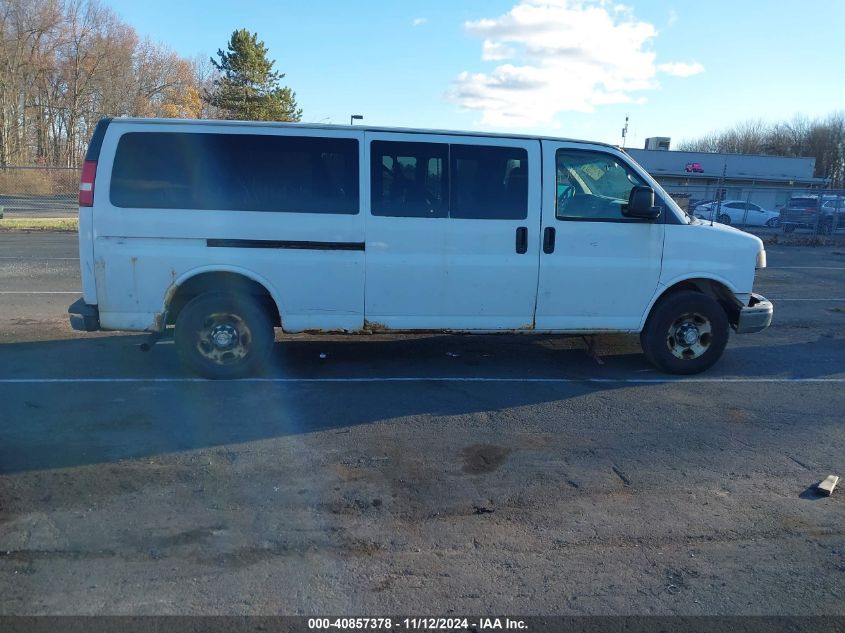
452, 232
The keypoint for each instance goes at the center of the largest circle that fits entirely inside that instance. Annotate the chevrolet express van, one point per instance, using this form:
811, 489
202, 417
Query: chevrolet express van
226, 230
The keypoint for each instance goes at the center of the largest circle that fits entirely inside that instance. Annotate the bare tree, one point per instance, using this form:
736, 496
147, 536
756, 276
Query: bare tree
64, 64
822, 139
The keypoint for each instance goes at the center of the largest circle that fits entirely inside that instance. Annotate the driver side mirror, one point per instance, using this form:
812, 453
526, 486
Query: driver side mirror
641, 204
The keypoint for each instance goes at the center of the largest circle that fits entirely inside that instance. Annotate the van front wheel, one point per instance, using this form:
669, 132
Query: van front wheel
224, 335
685, 334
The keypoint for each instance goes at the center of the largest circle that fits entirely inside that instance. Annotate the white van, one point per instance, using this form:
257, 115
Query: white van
229, 229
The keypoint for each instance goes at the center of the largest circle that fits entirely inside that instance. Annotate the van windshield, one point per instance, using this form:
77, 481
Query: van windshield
603, 177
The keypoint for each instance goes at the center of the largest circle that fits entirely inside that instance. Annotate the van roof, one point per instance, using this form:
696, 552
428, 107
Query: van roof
366, 128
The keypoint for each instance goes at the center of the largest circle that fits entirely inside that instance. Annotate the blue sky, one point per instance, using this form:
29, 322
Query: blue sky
560, 67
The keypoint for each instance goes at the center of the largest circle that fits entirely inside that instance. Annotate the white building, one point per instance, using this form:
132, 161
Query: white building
768, 181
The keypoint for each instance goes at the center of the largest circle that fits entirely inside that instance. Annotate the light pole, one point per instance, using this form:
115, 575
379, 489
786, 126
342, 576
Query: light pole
355, 117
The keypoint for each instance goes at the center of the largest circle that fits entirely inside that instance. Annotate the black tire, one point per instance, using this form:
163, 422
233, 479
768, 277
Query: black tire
773, 223
724, 219
788, 228
679, 313
223, 336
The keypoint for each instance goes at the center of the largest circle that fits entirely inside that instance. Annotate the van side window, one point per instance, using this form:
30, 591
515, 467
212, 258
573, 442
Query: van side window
592, 186
409, 179
243, 172
488, 182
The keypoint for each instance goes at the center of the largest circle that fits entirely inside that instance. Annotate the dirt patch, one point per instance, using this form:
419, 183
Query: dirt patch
483, 458
735, 416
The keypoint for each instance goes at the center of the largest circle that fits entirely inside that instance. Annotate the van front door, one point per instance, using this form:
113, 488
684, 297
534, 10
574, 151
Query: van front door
598, 269
452, 233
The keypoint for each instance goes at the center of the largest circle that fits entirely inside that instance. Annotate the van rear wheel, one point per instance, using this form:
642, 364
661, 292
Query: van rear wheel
686, 333
224, 335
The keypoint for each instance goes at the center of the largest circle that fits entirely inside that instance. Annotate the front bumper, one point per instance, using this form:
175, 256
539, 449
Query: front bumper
756, 316
84, 317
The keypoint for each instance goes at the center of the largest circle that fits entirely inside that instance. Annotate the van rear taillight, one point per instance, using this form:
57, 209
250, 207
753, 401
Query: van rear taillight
86, 183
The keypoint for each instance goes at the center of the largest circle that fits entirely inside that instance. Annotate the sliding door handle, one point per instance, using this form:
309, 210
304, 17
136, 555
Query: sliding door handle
549, 240
522, 240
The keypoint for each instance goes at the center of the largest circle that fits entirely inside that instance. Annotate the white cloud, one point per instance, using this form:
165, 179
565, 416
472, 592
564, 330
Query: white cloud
681, 69
419, 21
560, 56
672, 20
495, 51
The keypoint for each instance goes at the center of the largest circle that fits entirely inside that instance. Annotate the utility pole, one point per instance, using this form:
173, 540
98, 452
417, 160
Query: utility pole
625, 131
719, 185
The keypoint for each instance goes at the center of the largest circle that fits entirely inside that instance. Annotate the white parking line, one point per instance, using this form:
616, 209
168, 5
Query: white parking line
39, 259
777, 300
805, 267
375, 379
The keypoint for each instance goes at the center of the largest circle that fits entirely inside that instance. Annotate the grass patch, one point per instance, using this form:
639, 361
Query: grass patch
39, 224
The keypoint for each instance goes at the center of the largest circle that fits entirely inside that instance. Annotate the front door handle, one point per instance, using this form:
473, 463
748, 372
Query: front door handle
522, 240
549, 240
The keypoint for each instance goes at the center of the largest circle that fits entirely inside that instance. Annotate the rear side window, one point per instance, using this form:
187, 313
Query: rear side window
438, 180
488, 182
244, 172
803, 202
409, 179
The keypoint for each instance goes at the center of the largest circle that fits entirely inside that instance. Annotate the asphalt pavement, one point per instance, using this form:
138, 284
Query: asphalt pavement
420, 474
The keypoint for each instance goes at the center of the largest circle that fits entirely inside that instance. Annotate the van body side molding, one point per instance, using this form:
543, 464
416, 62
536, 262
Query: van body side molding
295, 244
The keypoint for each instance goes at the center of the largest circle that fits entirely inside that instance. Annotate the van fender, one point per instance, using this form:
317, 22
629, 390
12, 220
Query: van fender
177, 281
664, 287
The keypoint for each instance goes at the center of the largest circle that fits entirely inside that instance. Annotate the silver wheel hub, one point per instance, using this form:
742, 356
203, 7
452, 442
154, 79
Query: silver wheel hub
689, 336
224, 336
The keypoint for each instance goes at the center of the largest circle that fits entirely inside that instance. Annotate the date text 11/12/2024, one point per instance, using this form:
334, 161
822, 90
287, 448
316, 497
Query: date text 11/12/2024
417, 624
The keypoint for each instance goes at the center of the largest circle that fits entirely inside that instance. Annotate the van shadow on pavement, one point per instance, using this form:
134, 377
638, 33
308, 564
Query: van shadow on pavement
57, 425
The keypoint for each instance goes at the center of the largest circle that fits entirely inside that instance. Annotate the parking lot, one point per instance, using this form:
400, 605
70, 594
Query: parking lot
420, 474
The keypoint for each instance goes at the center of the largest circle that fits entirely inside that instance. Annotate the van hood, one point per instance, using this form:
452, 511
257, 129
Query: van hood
718, 252
723, 249
730, 233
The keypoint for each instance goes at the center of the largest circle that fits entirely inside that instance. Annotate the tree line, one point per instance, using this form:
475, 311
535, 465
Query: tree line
822, 138
64, 64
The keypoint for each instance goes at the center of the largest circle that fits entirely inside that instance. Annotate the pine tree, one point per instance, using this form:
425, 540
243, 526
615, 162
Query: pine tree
248, 88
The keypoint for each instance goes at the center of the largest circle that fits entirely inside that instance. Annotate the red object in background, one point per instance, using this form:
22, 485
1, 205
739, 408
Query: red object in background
695, 168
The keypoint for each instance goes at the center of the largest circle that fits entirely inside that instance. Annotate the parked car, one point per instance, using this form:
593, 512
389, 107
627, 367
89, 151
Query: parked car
694, 168
803, 211
694, 204
738, 212
217, 232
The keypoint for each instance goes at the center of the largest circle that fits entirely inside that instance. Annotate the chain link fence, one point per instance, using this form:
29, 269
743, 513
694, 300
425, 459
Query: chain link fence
39, 192
769, 209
